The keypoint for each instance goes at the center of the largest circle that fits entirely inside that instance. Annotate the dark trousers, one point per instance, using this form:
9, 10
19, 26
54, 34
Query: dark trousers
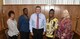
49, 38
13, 37
37, 33
53, 38
24, 35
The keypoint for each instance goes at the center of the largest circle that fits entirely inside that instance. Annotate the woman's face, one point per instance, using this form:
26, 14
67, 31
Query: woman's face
12, 16
51, 14
65, 14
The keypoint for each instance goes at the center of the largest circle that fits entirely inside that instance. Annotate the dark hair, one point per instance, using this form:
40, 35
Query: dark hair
10, 12
38, 7
52, 13
51, 10
24, 9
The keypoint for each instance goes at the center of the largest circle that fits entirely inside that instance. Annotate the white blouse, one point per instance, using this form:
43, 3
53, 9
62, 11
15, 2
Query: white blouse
12, 26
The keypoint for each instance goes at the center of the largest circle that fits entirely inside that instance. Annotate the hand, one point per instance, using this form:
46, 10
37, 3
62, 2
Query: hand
64, 34
43, 33
62, 37
32, 33
18, 34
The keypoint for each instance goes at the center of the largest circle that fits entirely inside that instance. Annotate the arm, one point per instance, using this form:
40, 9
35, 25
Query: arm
19, 22
56, 24
30, 23
67, 31
44, 24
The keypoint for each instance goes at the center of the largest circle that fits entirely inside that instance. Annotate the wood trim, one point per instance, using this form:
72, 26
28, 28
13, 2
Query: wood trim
39, 4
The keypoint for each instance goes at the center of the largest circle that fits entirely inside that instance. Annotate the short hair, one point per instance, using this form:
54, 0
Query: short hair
24, 9
38, 7
10, 12
51, 10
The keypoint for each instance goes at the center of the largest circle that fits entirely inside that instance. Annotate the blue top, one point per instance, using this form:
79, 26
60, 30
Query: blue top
23, 23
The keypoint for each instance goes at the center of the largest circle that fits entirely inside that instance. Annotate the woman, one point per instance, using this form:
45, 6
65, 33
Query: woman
12, 26
52, 24
64, 31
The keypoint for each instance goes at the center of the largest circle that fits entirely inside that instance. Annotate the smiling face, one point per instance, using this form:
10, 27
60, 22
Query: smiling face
65, 14
38, 10
51, 14
25, 11
12, 16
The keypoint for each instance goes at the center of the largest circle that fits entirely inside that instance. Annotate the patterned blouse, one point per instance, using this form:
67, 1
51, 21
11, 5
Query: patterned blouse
64, 30
51, 27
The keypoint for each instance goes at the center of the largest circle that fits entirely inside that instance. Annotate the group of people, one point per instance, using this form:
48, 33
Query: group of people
38, 25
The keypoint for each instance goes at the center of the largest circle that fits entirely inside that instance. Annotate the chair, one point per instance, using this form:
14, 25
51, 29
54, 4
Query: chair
6, 33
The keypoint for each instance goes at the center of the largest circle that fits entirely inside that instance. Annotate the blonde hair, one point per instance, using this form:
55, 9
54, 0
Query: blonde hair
65, 14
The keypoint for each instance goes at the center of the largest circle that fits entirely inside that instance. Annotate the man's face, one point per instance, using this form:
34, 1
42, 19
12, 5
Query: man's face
38, 10
25, 11
51, 14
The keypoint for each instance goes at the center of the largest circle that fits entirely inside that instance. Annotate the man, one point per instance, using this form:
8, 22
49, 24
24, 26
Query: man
24, 24
37, 24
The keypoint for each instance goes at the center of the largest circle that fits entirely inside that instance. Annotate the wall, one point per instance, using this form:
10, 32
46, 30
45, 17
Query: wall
2, 30
0, 14
74, 11
41, 2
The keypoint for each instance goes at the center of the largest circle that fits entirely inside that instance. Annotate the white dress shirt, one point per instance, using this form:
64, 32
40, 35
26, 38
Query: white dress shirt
42, 21
12, 26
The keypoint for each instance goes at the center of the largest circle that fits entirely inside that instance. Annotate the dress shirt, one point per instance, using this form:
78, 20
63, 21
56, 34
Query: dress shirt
42, 21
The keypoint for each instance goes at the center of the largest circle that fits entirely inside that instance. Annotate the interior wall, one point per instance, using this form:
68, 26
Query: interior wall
2, 32
74, 11
0, 14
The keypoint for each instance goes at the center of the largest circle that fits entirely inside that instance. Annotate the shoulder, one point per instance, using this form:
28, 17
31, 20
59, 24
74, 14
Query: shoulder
21, 16
68, 20
15, 20
55, 19
47, 18
33, 15
42, 15
9, 20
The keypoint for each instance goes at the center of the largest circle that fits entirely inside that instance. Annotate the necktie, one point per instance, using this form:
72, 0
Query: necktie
37, 25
